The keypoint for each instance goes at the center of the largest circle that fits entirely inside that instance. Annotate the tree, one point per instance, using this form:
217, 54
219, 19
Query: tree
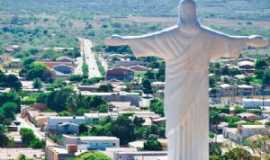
147, 87
13, 82
37, 83
92, 156
3, 138
10, 81
8, 111
152, 144
38, 70
83, 129
105, 88
157, 106
123, 128
85, 70
266, 77
238, 154
30, 140
27, 136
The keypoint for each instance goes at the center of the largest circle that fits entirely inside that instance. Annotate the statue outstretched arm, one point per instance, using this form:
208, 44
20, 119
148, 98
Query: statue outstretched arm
223, 45
117, 40
144, 45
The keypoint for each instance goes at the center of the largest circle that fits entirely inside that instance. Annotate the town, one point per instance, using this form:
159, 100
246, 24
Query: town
94, 101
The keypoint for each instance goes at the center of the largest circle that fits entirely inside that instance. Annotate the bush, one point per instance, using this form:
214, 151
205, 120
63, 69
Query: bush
152, 144
92, 156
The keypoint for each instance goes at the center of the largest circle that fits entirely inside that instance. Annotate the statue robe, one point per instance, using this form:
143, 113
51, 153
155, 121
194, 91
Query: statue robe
187, 55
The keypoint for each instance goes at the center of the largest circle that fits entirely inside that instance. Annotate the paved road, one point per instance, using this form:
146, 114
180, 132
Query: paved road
90, 59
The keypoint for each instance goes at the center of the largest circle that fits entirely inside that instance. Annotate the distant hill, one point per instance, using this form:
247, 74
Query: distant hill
239, 9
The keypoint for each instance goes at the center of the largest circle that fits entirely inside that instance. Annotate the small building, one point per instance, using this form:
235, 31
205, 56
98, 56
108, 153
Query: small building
64, 124
122, 74
243, 131
133, 98
158, 85
139, 68
92, 142
255, 103
246, 90
248, 116
61, 153
64, 59
227, 90
133, 154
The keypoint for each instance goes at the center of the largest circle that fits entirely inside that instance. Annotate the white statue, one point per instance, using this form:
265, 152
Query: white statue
187, 49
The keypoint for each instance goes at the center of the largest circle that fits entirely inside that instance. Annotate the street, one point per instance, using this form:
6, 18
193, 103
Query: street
90, 59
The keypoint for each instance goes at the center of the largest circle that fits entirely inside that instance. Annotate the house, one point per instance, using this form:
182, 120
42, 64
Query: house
246, 90
67, 128
248, 116
12, 48
158, 85
133, 98
138, 68
133, 154
14, 64
243, 131
227, 90
129, 63
251, 130
92, 142
64, 59
122, 74
246, 65
255, 103
65, 124
61, 153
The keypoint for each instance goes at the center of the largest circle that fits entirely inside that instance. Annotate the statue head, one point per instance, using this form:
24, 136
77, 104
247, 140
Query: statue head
187, 13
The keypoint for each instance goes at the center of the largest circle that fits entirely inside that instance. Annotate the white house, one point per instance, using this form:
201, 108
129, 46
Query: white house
92, 142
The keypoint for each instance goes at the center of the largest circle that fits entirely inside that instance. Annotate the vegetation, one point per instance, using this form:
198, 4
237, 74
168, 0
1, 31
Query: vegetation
92, 156
30, 140
152, 144
66, 100
157, 106
127, 128
10, 81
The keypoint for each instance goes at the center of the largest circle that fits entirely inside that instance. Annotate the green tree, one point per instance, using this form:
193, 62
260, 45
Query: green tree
3, 138
85, 70
13, 82
157, 106
8, 111
105, 88
30, 140
147, 87
92, 156
123, 128
38, 70
238, 154
152, 144
27, 136
266, 77
37, 83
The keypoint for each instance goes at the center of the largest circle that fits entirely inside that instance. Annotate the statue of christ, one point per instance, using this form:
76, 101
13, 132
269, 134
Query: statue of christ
187, 49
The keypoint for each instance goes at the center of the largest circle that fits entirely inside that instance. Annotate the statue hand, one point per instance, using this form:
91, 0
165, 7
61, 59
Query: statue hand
115, 40
258, 41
